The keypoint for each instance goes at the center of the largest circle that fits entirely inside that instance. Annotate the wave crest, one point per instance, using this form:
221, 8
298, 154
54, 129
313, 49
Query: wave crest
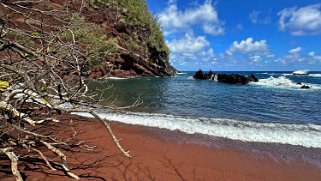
283, 82
301, 72
293, 134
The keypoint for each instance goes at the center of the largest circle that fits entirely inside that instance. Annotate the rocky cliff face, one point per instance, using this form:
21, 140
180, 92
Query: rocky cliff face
113, 37
141, 49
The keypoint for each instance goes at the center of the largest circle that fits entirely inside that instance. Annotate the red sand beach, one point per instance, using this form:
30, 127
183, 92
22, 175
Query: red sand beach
154, 158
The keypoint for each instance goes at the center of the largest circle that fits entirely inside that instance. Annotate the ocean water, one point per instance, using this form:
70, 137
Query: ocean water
273, 110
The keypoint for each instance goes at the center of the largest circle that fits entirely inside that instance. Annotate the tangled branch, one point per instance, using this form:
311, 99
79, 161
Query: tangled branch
43, 66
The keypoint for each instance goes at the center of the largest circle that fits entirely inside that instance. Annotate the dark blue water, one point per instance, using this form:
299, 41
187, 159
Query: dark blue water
276, 98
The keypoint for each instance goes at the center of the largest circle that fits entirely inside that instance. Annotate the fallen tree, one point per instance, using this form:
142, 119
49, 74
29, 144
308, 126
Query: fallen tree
42, 67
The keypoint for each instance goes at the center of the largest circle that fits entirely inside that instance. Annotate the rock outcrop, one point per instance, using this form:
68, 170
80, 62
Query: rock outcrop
225, 78
137, 45
142, 50
300, 73
305, 87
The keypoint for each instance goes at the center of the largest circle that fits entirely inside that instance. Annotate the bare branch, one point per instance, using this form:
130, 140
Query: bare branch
62, 157
14, 162
111, 133
45, 55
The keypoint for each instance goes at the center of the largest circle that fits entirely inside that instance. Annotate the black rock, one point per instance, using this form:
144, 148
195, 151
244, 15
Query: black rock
225, 78
305, 87
252, 78
199, 75
232, 79
299, 83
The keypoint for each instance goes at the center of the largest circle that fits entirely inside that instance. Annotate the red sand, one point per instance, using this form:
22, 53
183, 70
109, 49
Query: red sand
156, 159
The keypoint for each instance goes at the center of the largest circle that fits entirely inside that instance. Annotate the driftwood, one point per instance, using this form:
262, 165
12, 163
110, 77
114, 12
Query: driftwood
14, 162
42, 69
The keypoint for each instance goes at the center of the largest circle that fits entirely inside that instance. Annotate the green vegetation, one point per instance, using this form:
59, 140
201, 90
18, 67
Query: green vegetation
93, 37
20, 38
43, 57
137, 14
156, 39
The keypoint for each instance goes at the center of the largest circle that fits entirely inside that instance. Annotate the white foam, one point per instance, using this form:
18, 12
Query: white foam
287, 74
181, 73
115, 78
270, 73
293, 134
315, 75
301, 72
309, 75
279, 81
283, 82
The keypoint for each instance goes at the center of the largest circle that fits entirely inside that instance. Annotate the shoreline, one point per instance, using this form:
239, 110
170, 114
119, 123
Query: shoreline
299, 134
159, 154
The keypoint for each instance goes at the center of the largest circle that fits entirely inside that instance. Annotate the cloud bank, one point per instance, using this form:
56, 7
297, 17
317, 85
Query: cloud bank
191, 50
205, 15
249, 49
301, 21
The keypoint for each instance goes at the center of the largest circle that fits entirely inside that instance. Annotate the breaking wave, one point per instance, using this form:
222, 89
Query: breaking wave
181, 73
301, 72
115, 78
293, 134
283, 82
315, 75
308, 75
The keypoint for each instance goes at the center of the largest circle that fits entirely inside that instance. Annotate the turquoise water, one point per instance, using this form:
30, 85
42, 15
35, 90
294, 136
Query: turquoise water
276, 98
275, 109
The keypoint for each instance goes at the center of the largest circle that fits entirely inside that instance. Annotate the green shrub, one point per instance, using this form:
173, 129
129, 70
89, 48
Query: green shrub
137, 13
21, 38
93, 37
156, 39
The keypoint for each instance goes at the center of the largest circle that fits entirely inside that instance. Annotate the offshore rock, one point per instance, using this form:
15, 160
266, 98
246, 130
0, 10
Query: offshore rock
305, 87
225, 78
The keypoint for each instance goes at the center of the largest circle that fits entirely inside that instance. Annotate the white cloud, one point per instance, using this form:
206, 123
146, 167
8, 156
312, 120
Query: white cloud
191, 50
301, 21
248, 49
213, 29
248, 46
295, 55
295, 50
255, 58
188, 44
313, 56
255, 18
174, 20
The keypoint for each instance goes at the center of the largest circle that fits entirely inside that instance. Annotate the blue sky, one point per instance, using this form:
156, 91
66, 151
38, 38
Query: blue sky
241, 35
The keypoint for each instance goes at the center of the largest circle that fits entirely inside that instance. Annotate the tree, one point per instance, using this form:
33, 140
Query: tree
44, 56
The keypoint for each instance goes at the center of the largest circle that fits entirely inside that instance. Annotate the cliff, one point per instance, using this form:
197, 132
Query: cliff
115, 37
141, 46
